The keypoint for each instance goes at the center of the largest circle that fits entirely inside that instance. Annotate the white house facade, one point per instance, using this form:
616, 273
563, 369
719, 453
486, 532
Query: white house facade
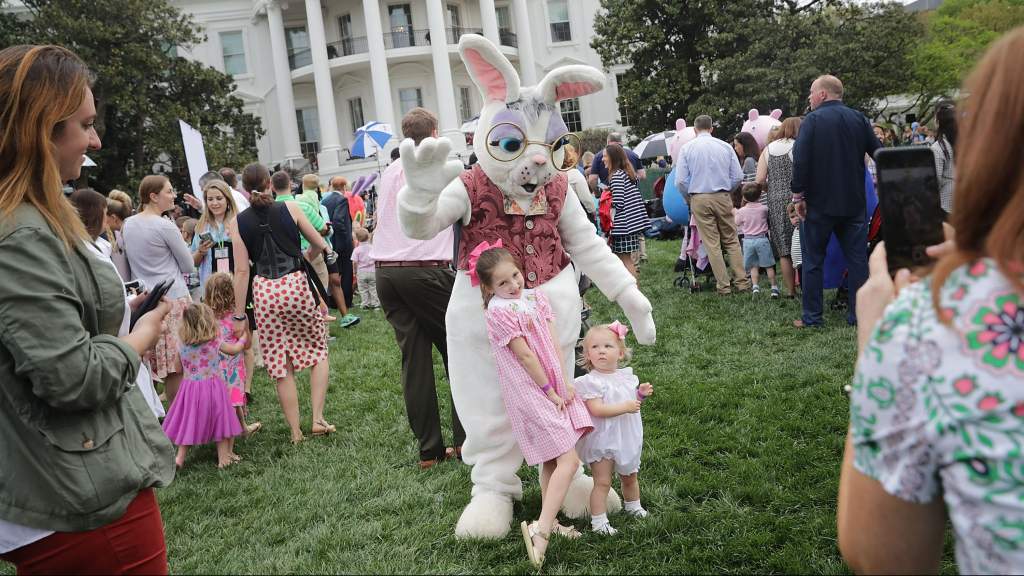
316, 70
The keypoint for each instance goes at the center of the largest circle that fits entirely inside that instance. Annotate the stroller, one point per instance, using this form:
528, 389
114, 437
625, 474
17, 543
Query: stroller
696, 262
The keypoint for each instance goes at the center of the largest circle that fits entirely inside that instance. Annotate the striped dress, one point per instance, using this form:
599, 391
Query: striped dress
630, 214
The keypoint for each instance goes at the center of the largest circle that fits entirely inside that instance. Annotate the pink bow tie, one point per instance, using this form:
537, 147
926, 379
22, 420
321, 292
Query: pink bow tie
619, 329
475, 255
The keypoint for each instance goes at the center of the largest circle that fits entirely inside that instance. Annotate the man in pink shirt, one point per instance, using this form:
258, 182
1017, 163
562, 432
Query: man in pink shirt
752, 224
414, 284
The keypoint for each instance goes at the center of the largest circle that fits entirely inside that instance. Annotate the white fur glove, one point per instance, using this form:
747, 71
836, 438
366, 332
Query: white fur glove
637, 308
427, 170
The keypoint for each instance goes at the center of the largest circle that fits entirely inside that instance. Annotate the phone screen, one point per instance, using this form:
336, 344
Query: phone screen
908, 191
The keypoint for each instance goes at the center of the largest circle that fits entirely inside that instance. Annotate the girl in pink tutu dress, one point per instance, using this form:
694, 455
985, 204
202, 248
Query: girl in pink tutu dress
202, 412
547, 420
220, 297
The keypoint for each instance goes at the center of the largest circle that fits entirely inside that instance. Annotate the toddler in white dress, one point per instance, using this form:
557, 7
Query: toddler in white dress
613, 396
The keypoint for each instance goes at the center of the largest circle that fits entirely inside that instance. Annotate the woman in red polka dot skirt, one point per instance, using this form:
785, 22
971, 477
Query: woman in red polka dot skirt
292, 333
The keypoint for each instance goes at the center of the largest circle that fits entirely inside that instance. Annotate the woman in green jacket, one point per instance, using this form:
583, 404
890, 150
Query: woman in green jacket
79, 448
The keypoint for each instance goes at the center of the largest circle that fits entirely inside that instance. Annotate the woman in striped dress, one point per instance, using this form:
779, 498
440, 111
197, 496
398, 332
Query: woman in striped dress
629, 217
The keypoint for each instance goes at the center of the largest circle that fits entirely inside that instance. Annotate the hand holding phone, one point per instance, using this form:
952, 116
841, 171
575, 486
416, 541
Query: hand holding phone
908, 192
206, 237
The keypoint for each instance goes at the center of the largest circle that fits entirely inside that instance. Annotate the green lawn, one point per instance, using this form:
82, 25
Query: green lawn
743, 444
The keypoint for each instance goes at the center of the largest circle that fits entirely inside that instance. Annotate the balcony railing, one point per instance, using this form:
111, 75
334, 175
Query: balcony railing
455, 33
347, 47
401, 39
406, 38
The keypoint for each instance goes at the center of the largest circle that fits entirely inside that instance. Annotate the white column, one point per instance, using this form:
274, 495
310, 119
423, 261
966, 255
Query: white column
489, 19
330, 146
379, 67
448, 119
283, 85
524, 38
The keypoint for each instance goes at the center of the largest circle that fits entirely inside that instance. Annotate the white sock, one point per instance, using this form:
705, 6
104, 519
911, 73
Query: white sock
600, 524
633, 507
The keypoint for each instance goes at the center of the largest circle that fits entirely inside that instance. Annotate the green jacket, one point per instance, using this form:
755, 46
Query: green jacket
77, 440
312, 212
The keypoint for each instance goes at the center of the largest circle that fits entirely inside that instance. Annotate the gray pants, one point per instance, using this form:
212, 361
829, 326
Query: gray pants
367, 284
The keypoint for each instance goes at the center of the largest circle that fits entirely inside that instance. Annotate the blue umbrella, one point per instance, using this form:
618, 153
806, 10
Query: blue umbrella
370, 138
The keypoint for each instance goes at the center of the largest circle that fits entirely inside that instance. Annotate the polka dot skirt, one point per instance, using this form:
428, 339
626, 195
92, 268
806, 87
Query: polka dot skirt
292, 333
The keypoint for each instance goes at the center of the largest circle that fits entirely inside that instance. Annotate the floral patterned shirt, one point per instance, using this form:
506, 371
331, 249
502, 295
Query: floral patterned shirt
938, 410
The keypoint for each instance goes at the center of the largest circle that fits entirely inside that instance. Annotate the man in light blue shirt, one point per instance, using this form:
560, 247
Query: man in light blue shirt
706, 170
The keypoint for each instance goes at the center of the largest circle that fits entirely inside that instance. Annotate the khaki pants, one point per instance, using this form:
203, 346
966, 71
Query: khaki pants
717, 227
320, 266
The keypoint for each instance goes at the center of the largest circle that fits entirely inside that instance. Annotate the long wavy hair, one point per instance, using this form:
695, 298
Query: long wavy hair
230, 210
41, 87
988, 210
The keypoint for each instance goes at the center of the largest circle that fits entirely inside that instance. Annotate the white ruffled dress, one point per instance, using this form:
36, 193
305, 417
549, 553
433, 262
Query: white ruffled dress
619, 438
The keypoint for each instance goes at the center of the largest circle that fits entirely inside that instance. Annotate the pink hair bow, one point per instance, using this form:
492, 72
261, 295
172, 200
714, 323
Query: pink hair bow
619, 329
475, 255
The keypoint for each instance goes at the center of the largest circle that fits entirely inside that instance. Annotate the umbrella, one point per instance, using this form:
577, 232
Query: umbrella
469, 126
654, 145
370, 138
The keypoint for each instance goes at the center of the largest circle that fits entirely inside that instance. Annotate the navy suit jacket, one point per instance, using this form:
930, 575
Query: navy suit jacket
828, 159
341, 222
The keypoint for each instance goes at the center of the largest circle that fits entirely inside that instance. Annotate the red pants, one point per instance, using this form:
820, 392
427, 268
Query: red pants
132, 544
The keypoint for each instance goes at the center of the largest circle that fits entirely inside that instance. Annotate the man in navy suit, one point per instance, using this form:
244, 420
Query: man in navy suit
828, 190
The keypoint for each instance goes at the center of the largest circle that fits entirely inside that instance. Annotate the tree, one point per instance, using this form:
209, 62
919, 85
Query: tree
956, 36
725, 57
142, 85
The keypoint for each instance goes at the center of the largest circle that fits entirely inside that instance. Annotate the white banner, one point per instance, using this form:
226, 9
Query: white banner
195, 155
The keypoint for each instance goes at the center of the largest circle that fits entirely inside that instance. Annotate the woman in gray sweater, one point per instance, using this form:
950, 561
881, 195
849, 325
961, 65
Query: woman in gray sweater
156, 252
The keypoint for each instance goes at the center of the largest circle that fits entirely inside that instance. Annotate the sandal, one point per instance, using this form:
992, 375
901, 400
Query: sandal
529, 531
569, 532
297, 441
322, 428
253, 428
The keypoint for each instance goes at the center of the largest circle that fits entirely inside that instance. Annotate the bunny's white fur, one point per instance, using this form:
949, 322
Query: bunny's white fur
434, 198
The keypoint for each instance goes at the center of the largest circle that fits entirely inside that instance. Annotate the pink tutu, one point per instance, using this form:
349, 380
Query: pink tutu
201, 412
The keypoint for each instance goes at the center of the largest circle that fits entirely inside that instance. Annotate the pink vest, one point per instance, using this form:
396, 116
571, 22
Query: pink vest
532, 238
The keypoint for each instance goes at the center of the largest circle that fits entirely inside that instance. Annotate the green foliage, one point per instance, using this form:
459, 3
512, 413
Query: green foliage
956, 36
142, 86
725, 57
593, 139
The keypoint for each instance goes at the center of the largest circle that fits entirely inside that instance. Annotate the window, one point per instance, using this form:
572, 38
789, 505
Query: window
232, 48
355, 113
623, 108
558, 17
309, 133
571, 114
465, 104
454, 24
299, 54
400, 17
345, 25
410, 98
505, 35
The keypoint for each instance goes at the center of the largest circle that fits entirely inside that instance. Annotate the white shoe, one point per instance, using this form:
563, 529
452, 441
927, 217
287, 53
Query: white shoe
641, 513
606, 530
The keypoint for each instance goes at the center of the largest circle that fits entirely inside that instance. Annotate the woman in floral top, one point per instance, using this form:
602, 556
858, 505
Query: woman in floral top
937, 408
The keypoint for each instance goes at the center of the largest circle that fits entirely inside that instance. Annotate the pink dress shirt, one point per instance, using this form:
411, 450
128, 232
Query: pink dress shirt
390, 244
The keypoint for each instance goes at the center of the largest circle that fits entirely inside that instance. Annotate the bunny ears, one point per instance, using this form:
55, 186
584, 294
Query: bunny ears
482, 247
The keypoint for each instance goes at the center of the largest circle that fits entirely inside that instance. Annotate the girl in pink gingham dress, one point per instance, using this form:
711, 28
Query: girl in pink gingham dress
546, 417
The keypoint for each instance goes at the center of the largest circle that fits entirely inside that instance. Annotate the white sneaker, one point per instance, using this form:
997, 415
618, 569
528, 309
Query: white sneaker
641, 513
606, 530
756, 289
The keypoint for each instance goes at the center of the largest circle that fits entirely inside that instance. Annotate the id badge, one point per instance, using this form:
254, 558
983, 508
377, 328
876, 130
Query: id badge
222, 258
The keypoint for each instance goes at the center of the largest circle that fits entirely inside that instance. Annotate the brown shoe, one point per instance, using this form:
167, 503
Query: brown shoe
428, 464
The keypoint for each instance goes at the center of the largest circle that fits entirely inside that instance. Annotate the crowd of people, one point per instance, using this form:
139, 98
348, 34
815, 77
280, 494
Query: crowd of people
936, 410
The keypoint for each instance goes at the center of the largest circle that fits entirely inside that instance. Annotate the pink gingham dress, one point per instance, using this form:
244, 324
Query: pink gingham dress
542, 431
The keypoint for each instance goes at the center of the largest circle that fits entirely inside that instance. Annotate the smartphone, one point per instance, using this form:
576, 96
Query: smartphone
908, 192
135, 287
206, 236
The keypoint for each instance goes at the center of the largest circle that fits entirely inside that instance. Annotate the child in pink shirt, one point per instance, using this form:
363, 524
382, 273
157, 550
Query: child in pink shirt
363, 262
752, 223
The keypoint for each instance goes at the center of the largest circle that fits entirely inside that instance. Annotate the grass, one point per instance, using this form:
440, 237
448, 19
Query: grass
740, 470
